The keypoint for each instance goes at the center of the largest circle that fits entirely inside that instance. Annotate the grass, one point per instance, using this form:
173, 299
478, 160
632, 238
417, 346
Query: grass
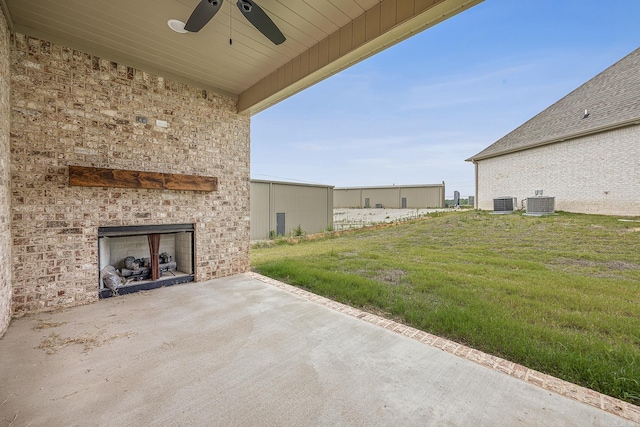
559, 294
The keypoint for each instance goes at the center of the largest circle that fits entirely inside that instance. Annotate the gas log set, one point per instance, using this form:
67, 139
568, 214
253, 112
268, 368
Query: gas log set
133, 270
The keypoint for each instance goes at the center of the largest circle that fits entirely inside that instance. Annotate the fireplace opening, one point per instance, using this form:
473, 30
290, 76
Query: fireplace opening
136, 258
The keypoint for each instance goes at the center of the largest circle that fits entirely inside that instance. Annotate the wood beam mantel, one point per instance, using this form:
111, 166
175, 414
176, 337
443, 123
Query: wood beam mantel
119, 178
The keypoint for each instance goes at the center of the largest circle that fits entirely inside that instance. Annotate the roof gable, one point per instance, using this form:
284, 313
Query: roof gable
612, 99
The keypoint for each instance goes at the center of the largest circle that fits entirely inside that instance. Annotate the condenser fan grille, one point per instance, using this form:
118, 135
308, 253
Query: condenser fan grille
504, 204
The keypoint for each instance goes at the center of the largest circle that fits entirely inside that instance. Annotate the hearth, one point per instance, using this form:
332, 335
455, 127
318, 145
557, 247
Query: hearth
135, 258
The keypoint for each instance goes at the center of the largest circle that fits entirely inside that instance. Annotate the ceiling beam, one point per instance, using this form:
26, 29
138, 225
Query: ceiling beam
382, 26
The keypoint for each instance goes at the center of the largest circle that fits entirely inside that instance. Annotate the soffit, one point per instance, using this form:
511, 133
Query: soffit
136, 33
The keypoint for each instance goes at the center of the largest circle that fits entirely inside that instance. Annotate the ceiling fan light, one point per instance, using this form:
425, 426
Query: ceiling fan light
177, 26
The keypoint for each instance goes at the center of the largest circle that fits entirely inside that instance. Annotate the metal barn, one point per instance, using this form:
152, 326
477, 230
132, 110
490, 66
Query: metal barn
278, 208
395, 196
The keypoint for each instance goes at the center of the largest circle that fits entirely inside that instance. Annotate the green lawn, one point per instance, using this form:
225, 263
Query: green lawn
559, 294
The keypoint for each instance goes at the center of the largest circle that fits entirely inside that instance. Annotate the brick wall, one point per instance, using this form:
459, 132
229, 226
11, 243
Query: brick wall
71, 108
596, 174
5, 188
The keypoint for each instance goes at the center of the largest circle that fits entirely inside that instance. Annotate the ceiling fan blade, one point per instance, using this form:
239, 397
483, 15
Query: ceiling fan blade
204, 11
261, 21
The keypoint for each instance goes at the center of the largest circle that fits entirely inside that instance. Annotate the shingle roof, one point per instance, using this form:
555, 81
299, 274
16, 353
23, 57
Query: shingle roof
612, 99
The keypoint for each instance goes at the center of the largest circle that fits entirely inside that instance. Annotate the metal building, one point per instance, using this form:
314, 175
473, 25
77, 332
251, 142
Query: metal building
395, 196
278, 208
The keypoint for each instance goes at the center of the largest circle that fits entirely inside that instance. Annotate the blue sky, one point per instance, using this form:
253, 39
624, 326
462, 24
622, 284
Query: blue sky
413, 113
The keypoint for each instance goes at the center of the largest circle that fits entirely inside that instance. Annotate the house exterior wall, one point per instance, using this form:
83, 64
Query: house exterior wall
71, 108
596, 174
418, 196
5, 179
307, 206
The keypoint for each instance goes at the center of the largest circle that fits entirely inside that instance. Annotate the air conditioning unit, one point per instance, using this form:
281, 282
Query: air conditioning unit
540, 205
505, 204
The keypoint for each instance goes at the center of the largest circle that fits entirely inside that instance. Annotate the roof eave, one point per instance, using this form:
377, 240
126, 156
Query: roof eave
593, 131
299, 184
379, 28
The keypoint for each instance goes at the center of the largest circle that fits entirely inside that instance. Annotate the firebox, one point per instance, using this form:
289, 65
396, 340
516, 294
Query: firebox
136, 258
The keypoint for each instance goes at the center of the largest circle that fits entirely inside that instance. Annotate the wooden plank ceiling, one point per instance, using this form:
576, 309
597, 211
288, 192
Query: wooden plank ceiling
323, 37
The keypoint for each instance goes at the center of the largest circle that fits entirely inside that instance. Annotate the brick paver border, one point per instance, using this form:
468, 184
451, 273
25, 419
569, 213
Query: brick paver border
581, 394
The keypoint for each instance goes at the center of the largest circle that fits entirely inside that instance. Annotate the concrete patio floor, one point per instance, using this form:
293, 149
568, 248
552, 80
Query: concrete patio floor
240, 351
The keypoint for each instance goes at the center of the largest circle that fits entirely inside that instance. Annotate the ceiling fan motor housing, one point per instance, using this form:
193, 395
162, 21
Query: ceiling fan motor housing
206, 9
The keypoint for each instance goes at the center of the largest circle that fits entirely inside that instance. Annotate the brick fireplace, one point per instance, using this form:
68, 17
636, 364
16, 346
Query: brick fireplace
71, 109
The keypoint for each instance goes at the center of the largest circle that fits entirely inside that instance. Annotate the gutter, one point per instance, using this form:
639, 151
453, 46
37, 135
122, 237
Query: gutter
601, 129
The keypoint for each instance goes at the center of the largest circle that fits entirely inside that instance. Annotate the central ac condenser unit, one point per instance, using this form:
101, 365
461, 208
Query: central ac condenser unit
541, 205
505, 204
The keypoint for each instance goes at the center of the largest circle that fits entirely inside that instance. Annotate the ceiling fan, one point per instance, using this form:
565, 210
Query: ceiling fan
206, 9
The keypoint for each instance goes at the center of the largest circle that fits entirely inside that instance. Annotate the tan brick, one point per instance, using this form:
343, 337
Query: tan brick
555, 384
70, 108
614, 406
429, 339
535, 378
462, 351
632, 413
420, 335
505, 366
609, 188
591, 397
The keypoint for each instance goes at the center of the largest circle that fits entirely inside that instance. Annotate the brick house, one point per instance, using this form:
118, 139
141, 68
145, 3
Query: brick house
115, 129
583, 150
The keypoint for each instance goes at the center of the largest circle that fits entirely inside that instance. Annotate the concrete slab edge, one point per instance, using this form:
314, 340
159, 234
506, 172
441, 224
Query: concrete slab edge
590, 397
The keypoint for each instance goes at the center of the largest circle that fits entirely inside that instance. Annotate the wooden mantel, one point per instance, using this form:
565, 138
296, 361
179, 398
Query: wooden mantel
119, 178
